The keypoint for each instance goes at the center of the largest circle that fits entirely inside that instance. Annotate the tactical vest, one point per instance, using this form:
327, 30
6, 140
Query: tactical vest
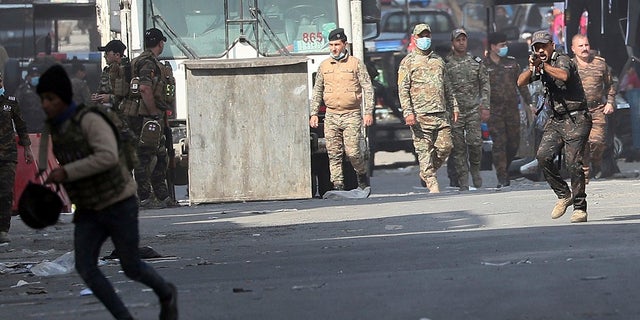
342, 91
120, 77
163, 84
70, 145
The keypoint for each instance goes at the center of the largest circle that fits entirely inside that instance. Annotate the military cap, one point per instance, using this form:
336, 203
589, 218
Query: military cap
541, 36
152, 37
458, 31
421, 27
114, 45
337, 34
496, 37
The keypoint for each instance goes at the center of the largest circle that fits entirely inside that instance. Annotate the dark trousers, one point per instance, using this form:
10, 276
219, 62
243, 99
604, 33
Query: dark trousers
7, 179
572, 133
120, 222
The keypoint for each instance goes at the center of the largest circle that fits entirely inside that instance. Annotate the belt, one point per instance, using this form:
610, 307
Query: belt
571, 114
591, 104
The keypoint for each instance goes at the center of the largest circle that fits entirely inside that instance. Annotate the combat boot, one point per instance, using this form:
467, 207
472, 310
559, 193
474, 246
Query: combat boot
477, 179
579, 216
4, 237
432, 185
338, 186
363, 181
561, 207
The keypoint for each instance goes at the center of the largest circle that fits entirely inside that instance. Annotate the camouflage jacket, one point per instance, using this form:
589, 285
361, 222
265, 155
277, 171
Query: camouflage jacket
469, 82
504, 78
597, 81
424, 85
10, 118
343, 86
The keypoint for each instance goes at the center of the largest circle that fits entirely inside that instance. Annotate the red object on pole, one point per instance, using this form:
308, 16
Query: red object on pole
26, 172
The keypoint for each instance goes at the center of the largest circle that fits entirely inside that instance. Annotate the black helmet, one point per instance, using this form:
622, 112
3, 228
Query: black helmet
39, 206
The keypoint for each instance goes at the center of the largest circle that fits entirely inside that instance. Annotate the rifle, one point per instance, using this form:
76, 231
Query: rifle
171, 153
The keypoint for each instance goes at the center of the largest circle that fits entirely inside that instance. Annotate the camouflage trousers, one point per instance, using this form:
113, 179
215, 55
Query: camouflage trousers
572, 134
432, 141
504, 127
343, 135
595, 147
151, 172
7, 179
467, 146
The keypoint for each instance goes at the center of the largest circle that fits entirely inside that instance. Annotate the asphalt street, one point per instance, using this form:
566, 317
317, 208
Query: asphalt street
400, 254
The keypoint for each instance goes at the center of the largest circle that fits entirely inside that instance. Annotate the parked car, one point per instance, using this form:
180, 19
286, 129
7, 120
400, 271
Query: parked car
396, 31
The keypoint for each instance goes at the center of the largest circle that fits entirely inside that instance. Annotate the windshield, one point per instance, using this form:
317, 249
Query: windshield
196, 28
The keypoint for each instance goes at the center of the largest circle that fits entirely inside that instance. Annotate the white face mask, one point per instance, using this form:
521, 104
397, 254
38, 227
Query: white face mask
342, 54
1, 91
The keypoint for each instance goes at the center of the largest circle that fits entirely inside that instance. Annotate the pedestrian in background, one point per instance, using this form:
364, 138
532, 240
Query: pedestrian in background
504, 118
11, 122
630, 85
30, 102
81, 92
343, 83
568, 127
95, 175
470, 85
600, 92
428, 105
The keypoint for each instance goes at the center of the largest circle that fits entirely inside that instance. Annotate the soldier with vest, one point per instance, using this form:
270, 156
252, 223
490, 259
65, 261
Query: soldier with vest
568, 127
151, 95
10, 122
30, 102
600, 90
343, 83
428, 105
114, 82
95, 175
470, 84
504, 118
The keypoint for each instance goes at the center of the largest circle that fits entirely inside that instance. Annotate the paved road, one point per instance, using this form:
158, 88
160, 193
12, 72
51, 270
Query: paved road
400, 254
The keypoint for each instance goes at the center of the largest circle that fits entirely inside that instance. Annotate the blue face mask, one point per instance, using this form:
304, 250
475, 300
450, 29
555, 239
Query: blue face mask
340, 56
34, 81
423, 43
1, 91
503, 51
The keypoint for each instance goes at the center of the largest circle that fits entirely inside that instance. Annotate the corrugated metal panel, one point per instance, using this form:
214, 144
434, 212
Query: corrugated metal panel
248, 130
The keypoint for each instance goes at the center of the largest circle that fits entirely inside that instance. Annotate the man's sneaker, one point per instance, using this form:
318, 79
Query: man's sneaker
362, 181
168, 202
561, 207
432, 185
4, 237
579, 216
169, 306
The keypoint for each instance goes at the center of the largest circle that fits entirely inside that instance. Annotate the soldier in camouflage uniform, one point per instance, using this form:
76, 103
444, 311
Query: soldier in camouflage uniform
343, 83
145, 108
600, 91
81, 92
426, 99
504, 118
568, 126
114, 85
10, 118
470, 84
